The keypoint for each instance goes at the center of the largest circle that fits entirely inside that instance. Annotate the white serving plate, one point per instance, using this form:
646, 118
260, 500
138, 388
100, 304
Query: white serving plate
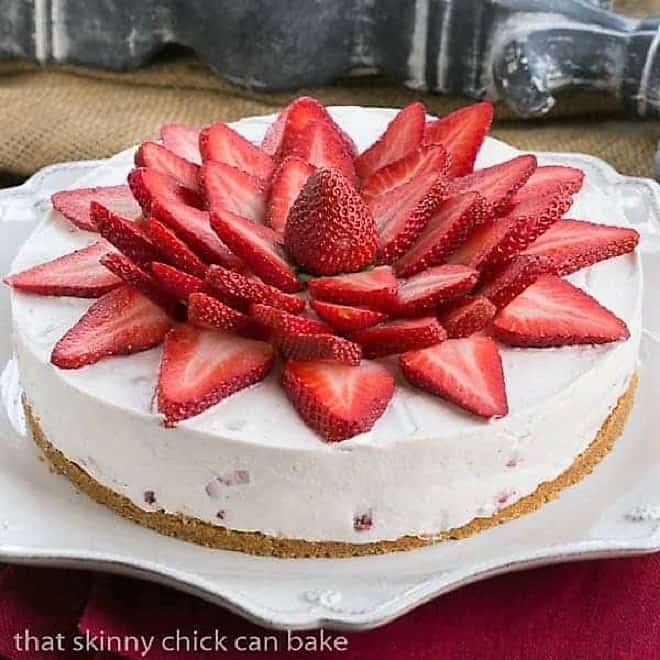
615, 511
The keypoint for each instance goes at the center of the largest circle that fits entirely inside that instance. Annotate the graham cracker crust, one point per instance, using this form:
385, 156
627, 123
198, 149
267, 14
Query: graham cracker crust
197, 531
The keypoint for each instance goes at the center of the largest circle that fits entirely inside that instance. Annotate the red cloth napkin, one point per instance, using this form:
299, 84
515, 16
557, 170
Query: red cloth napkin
598, 609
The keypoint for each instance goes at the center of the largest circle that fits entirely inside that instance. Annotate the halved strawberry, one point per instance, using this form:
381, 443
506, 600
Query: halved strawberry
462, 133
338, 400
399, 336
121, 322
147, 184
280, 321
550, 180
288, 181
176, 282
222, 144
427, 290
467, 316
201, 367
497, 184
309, 347
370, 288
156, 157
553, 312
402, 135
125, 235
447, 228
330, 229
258, 247
193, 227
243, 290
226, 187
78, 274
467, 372
208, 312
344, 318
174, 249
183, 140
575, 244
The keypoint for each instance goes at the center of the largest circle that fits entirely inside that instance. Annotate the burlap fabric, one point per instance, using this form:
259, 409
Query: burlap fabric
64, 113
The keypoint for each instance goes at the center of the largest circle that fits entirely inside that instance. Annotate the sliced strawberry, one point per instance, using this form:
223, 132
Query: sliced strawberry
222, 144
330, 229
74, 204
467, 316
462, 133
147, 184
244, 290
372, 288
447, 228
282, 322
497, 184
258, 247
122, 322
183, 140
402, 136
575, 244
553, 312
227, 187
201, 367
193, 227
337, 400
176, 282
78, 274
399, 336
174, 249
208, 312
309, 347
550, 180
467, 372
156, 157
288, 181
125, 235
344, 318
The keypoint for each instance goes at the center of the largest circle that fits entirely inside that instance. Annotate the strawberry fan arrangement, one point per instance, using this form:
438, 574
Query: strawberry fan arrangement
231, 254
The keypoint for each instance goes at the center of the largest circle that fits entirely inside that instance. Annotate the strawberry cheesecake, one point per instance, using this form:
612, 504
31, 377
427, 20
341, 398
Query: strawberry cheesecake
336, 332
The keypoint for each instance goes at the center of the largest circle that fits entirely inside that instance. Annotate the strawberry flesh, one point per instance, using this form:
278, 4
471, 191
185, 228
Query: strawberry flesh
288, 181
344, 318
549, 180
176, 282
370, 288
208, 312
183, 140
281, 322
147, 184
309, 347
174, 249
467, 316
156, 157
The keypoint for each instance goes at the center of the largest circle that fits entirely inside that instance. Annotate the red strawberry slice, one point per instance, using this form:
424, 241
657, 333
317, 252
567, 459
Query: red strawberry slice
402, 136
74, 204
447, 228
330, 229
497, 184
176, 282
282, 322
207, 312
309, 347
553, 312
462, 133
399, 336
258, 247
174, 249
125, 235
575, 244
288, 181
242, 290
344, 318
193, 227
467, 372
183, 140
338, 400
427, 290
372, 288
227, 187
201, 367
429, 159
221, 143
550, 180
122, 322
467, 316
147, 184
78, 274
156, 157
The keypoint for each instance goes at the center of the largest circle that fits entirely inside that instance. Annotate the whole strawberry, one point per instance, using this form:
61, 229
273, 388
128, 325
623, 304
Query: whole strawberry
330, 230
